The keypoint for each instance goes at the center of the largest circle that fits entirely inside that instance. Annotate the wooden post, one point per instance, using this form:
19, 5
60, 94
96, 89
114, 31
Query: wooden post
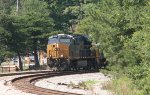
2, 69
9, 68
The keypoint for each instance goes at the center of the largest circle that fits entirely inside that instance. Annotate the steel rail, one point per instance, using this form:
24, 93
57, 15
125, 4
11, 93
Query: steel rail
26, 83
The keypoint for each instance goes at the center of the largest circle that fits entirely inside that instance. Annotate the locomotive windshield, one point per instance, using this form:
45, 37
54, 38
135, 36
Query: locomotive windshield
59, 39
65, 40
52, 40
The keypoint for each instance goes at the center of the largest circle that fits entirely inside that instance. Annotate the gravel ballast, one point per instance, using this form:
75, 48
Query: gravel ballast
58, 83
9, 89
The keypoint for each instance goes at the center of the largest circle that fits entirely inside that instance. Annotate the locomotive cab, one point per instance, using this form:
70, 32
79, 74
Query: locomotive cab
58, 51
58, 47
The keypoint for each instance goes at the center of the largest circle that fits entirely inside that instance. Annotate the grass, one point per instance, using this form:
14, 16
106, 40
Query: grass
86, 85
122, 86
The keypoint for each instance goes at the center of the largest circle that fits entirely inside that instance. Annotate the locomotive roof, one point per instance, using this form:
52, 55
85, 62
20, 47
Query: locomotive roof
68, 36
61, 35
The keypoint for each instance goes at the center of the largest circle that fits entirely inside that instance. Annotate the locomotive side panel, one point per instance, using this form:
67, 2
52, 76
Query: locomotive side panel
80, 48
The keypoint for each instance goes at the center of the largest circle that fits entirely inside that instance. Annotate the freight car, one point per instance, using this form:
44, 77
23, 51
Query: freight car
72, 52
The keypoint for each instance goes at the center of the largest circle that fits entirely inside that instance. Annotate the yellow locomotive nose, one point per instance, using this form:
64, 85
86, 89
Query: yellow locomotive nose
58, 50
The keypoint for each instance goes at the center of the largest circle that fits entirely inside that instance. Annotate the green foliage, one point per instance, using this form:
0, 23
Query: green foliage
27, 26
122, 86
36, 23
101, 25
112, 24
141, 76
5, 6
121, 27
67, 13
37, 27
139, 44
11, 38
87, 84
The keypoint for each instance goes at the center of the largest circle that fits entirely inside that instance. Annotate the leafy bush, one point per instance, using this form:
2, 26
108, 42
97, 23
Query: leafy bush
141, 76
87, 84
122, 86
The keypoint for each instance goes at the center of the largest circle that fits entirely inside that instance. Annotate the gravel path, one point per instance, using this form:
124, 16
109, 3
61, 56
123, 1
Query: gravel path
57, 83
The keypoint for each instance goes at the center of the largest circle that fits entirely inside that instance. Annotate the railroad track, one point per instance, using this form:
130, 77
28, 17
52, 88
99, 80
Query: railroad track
26, 83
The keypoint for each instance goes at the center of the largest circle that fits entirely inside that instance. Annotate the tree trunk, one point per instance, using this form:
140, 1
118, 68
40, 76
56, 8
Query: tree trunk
20, 62
37, 65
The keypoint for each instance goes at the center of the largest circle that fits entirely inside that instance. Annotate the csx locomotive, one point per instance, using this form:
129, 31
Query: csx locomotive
72, 52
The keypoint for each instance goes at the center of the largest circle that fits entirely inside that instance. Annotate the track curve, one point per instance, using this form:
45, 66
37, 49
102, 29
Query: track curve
26, 83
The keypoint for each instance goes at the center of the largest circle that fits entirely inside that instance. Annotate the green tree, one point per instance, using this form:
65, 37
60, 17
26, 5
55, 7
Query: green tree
122, 29
11, 37
110, 23
36, 24
2, 41
25, 27
6, 6
67, 13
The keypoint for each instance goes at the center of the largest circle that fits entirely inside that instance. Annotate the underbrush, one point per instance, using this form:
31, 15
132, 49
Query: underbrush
129, 80
122, 86
86, 85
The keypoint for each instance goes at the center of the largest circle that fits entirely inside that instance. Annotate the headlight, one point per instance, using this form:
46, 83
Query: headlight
61, 55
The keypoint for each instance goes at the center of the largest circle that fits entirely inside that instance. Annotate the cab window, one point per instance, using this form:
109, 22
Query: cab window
65, 40
53, 40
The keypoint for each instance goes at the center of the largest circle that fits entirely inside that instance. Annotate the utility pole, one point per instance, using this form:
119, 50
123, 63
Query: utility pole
17, 6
